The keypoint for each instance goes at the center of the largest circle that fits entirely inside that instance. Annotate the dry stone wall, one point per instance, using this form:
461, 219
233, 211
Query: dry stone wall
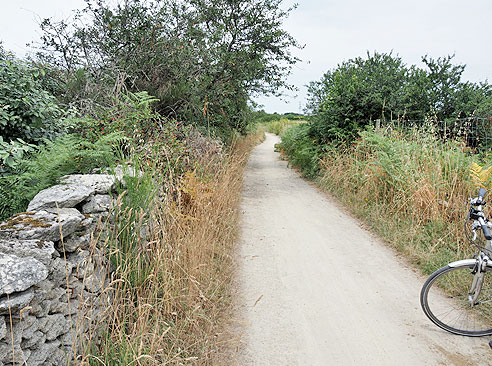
53, 272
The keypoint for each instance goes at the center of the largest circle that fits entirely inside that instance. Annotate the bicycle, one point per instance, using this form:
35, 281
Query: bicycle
467, 309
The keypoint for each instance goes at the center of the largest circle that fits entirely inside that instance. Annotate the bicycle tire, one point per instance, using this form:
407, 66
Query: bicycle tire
455, 314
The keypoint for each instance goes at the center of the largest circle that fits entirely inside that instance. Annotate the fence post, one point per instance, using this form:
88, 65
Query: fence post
378, 124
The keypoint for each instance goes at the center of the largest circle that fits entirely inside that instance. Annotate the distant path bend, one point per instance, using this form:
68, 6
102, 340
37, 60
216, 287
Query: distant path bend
316, 289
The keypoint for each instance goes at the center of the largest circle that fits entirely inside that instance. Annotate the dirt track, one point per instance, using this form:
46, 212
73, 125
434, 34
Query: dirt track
317, 289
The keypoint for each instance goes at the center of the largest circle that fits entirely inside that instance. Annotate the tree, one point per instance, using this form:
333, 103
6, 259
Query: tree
202, 59
443, 85
360, 90
356, 92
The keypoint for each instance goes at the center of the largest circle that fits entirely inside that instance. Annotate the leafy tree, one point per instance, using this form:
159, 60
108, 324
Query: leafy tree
382, 87
202, 59
443, 83
356, 92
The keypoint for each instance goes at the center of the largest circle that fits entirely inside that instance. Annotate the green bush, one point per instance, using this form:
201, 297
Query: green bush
27, 110
12, 152
381, 87
301, 149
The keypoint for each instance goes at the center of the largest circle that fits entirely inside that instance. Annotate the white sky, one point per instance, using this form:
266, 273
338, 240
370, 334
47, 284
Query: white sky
332, 30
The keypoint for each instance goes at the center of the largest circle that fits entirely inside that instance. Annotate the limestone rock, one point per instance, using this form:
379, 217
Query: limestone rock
101, 183
65, 195
3, 328
57, 294
29, 328
67, 339
36, 338
83, 264
86, 223
6, 350
15, 302
101, 220
97, 203
94, 283
18, 274
64, 308
55, 326
41, 354
28, 320
6, 353
60, 270
74, 242
41, 250
40, 307
42, 225
79, 258
46, 286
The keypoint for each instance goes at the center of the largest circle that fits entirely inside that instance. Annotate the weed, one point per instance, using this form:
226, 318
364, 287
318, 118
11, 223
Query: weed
410, 188
173, 289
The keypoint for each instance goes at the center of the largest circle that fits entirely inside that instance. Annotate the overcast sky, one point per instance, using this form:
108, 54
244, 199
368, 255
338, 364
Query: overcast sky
333, 31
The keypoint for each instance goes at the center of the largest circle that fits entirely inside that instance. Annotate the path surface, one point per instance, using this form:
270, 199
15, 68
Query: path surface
312, 288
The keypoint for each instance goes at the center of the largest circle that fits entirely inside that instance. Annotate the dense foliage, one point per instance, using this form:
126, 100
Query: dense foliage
27, 110
147, 86
132, 77
201, 59
381, 86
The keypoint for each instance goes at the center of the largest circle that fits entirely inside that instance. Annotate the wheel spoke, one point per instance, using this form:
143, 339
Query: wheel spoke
445, 300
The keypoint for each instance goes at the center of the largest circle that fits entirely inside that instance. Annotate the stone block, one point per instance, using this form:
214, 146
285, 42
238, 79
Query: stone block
41, 250
74, 242
40, 355
56, 325
61, 195
18, 274
42, 225
98, 203
37, 338
101, 183
3, 328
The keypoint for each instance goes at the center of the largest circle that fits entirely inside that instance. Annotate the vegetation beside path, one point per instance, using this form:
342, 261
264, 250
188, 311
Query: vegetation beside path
410, 184
412, 189
165, 88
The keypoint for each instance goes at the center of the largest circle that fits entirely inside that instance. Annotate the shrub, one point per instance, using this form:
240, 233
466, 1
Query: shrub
301, 149
411, 188
27, 110
12, 152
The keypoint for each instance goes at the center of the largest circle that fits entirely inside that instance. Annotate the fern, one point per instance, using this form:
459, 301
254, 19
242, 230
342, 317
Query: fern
68, 154
479, 175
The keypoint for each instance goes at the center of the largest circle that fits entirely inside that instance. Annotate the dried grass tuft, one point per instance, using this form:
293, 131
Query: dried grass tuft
172, 288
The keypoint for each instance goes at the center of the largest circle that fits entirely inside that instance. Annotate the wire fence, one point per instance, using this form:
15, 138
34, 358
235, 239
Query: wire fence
475, 133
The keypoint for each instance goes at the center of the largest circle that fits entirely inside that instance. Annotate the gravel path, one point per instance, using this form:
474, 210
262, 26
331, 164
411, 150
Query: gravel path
317, 289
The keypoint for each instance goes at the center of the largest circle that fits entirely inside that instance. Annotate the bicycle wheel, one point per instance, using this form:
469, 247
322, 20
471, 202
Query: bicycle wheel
444, 299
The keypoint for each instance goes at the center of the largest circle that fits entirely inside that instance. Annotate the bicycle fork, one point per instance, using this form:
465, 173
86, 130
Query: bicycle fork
479, 274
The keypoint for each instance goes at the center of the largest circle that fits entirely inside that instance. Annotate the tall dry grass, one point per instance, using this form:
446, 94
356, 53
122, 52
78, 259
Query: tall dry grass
173, 270
411, 188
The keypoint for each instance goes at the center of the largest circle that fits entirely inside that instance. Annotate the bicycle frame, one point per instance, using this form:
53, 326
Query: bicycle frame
479, 268
463, 281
